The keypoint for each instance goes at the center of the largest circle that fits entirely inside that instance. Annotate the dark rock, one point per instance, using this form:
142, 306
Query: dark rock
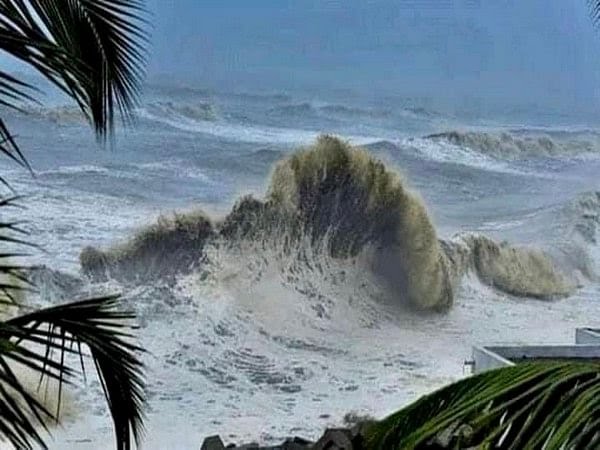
301, 441
212, 443
335, 439
296, 443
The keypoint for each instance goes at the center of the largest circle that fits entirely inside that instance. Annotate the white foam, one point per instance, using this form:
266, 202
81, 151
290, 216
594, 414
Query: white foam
446, 152
252, 134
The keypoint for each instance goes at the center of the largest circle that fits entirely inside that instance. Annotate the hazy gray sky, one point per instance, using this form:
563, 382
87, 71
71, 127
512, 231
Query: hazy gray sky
533, 50
528, 50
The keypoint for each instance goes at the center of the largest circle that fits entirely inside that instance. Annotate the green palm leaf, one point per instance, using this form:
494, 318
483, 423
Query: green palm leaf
91, 49
100, 326
530, 406
594, 9
41, 341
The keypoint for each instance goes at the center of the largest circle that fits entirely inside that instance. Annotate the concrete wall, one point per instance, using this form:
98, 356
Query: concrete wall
486, 359
587, 336
493, 357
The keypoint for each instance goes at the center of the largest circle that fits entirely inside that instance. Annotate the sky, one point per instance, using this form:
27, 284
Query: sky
531, 51
513, 51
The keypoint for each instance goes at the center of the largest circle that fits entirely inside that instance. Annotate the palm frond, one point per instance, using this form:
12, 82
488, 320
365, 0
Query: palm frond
97, 324
9, 147
91, 49
13, 275
530, 406
594, 10
41, 341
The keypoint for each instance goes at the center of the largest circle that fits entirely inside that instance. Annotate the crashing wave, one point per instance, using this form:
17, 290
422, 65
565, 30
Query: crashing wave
337, 200
171, 245
515, 270
504, 145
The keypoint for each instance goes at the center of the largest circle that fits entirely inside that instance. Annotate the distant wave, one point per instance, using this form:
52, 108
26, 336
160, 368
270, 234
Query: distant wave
195, 111
65, 114
295, 109
339, 111
423, 112
182, 91
237, 132
75, 169
439, 149
260, 97
512, 146
333, 205
348, 111
241, 132
62, 114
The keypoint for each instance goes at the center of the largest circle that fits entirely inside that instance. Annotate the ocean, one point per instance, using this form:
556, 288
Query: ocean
259, 339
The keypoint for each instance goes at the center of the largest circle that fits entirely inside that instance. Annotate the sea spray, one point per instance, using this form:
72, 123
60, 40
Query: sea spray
335, 189
335, 200
170, 246
516, 270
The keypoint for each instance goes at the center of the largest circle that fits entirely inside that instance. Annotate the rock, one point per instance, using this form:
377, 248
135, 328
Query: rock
212, 443
296, 443
335, 439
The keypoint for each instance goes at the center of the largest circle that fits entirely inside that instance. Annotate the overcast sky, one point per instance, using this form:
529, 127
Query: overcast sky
531, 50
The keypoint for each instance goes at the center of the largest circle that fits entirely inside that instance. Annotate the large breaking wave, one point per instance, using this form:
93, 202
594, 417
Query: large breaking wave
333, 205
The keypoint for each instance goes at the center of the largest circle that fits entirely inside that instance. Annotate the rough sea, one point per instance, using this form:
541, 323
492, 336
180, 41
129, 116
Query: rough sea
253, 347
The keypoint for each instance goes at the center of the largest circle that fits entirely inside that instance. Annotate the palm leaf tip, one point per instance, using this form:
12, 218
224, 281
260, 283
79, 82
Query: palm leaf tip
97, 324
594, 11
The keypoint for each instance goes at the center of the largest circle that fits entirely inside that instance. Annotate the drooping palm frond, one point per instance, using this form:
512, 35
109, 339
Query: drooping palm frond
13, 275
56, 332
43, 339
550, 405
90, 49
9, 147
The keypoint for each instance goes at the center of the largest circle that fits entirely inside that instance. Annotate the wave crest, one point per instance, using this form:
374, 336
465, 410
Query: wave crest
504, 145
170, 246
63, 114
202, 111
335, 200
519, 271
